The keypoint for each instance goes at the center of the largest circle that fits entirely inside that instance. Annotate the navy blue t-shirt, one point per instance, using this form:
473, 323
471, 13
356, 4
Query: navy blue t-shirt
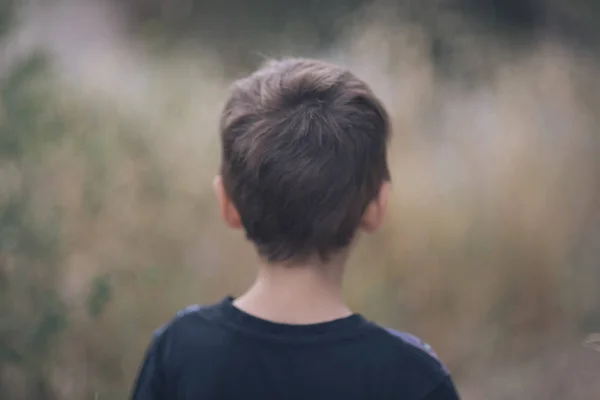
218, 352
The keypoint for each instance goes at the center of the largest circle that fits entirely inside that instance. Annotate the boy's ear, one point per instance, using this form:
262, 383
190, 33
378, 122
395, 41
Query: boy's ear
228, 211
376, 211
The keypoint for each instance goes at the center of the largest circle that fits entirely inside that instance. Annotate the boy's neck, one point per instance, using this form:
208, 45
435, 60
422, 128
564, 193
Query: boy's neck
300, 294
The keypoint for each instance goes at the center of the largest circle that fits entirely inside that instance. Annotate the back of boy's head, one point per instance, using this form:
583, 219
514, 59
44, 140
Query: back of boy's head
303, 155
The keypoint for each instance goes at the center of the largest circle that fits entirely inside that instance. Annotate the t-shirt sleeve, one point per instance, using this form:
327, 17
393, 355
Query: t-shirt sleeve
444, 391
150, 384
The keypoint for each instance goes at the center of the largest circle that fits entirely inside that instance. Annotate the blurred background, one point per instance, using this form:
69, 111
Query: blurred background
108, 144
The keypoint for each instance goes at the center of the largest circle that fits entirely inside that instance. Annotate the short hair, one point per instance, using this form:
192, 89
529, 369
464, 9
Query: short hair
303, 154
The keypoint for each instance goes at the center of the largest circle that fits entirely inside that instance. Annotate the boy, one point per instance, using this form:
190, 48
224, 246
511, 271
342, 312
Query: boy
303, 169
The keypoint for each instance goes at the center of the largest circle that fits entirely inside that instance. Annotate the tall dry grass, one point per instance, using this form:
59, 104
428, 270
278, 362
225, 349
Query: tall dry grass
490, 252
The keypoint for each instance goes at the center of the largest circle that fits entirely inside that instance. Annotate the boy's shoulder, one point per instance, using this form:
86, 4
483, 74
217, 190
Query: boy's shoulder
189, 318
205, 315
418, 344
403, 362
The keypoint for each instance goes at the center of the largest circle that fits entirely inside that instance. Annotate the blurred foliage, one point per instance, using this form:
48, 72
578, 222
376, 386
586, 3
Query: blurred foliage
6, 12
244, 31
32, 315
26, 126
99, 296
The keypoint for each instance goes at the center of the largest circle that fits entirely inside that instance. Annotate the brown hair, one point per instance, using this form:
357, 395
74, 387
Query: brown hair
303, 154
